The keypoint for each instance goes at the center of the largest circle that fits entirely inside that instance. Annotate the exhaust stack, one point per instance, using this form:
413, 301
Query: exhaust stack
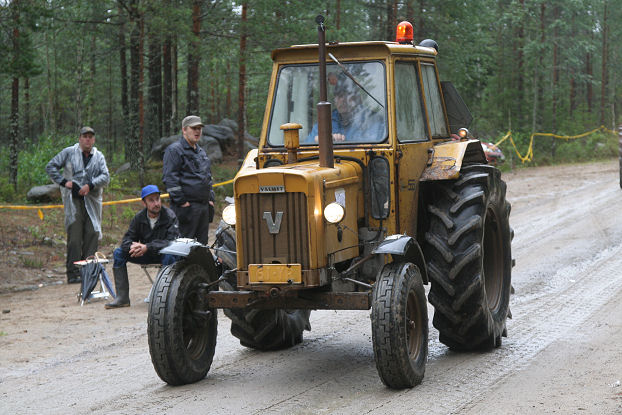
324, 124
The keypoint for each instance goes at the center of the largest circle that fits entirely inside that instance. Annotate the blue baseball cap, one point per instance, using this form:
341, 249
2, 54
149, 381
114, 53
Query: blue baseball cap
148, 190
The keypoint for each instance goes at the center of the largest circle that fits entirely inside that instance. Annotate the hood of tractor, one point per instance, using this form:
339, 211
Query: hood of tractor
280, 214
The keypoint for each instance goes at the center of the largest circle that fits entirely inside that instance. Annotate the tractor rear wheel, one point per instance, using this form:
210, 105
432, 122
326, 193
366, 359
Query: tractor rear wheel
267, 329
399, 321
469, 259
257, 329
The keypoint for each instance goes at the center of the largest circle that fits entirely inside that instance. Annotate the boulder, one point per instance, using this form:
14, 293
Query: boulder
229, 123
45, 193
124, 167
222, 133
209, 144
212, 148
157, 151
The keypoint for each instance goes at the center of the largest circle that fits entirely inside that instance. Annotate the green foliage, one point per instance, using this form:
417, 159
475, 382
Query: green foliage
127, 214
7, 193
35, 232
35, 156
31, 262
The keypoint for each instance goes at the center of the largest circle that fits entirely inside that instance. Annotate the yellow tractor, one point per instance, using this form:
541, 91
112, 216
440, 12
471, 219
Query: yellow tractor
354, 206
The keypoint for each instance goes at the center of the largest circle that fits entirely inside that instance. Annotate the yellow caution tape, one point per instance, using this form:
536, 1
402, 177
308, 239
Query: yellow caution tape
529, 154
108, 203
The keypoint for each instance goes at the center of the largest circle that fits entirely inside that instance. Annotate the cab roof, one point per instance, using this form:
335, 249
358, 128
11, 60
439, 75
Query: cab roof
350, 50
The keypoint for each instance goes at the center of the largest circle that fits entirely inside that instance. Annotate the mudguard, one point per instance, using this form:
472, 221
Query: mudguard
405, 248
180, 247
192, 252
447, 158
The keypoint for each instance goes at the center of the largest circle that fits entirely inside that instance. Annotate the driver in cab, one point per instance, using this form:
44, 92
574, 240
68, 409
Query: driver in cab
351, 120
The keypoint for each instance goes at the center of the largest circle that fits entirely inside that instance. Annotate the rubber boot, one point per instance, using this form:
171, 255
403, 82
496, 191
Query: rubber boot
122, 285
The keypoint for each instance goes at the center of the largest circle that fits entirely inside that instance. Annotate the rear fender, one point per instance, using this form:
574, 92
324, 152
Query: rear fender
404, 248
447, 158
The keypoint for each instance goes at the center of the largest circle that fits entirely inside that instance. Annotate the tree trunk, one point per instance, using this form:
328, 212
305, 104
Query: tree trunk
390, 23
228, 99
27, 127
420, 28
590, 75
556, 13
135, 156
13, 148
125, 107
194, 59
338, 15
537, 121
520, 58
242, 86
603, 84
175, 116
154, 93
410, 14
167, 96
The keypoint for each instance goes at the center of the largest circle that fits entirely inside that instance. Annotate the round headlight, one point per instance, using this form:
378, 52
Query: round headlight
334, 212
228, 215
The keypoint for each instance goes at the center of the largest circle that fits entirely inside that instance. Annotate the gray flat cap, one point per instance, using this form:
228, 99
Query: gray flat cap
191, 121
85, 130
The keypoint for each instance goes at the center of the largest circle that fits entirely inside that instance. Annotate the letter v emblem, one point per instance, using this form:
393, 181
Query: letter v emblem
273, 225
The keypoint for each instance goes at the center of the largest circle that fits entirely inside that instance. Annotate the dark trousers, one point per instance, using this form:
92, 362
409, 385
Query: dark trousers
82, 240
121, 258
193, 221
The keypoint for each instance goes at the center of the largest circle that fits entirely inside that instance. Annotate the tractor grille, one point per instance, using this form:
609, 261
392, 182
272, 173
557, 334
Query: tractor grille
289, 244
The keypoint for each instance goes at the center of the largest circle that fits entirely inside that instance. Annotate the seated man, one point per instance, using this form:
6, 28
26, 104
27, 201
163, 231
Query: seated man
152, 229
351, 119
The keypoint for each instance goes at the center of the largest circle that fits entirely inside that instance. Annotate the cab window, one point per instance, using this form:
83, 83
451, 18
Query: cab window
408, 104
357, 95
438, 128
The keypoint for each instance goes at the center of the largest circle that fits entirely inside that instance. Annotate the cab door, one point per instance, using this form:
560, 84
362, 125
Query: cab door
419, 118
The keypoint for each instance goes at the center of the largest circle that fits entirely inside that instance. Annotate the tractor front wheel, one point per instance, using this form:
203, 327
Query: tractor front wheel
181, 329
400, 325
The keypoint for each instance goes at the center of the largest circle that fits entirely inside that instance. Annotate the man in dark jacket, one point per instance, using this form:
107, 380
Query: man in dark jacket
187, 174
152, 229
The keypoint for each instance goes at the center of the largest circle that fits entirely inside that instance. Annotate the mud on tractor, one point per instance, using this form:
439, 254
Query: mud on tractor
349, 209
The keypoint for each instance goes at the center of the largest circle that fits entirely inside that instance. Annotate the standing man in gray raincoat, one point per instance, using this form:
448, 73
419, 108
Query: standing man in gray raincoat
84, 175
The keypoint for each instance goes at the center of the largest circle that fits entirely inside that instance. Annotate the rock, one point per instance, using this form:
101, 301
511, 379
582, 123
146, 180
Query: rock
209, 144
157, 151
212, 148
229, 123
45, 193
222, 133
123, 167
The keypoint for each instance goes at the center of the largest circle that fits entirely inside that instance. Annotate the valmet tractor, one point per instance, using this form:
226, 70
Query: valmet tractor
351, 208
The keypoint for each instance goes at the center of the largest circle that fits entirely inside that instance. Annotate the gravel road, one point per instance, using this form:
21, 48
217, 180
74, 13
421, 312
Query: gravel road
563, 352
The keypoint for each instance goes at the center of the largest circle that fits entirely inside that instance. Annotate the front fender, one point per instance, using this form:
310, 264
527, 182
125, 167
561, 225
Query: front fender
192, 252
404, 248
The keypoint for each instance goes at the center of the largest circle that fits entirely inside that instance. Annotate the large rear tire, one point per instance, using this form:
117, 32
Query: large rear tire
399, 320
267, 329
257, 329
181, 329
469, 258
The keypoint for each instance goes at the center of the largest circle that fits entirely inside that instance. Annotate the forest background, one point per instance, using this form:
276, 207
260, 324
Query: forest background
132, 69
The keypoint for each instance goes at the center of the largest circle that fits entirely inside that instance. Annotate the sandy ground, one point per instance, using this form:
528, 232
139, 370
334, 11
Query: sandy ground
562, 354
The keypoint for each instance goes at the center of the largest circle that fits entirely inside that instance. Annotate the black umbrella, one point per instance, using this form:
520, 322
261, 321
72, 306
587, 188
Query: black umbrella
90, 275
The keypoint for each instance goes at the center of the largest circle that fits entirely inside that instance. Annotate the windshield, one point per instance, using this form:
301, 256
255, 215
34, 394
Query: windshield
359, 113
